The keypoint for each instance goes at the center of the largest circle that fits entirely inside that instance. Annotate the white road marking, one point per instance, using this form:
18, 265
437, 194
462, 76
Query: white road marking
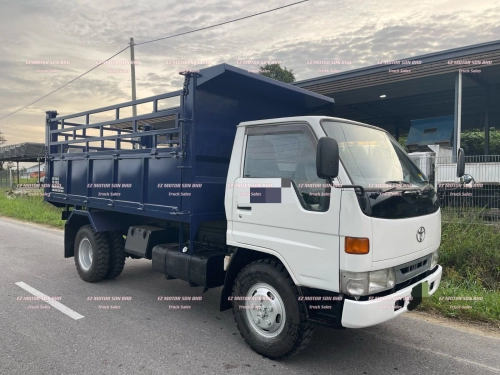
57, 305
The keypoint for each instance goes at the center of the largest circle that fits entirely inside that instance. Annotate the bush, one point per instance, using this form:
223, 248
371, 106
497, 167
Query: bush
472, 141
470, 254
470, 257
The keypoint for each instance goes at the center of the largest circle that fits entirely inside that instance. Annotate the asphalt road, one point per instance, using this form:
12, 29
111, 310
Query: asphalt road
145, 336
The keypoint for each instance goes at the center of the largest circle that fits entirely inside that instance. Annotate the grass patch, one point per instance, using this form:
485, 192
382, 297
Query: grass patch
30, 208
464, 302
470, 257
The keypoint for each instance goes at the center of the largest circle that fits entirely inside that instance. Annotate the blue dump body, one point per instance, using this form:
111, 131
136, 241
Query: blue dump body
167, 164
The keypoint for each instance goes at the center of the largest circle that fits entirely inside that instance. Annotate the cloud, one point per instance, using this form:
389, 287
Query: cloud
86, 31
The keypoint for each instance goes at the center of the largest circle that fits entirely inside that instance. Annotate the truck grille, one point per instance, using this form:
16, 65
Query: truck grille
411, 269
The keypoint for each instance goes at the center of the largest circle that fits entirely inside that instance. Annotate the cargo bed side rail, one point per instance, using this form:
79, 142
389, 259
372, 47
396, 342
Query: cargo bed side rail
63, 135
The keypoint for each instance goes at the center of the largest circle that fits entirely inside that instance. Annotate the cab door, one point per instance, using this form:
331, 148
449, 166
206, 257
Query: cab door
281, 206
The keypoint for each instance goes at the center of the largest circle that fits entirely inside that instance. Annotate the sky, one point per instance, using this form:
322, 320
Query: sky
77, 34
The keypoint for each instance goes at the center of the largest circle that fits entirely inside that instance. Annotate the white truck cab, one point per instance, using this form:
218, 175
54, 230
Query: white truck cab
344, 209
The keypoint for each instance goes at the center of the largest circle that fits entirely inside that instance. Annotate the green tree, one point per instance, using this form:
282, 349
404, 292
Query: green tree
275, 71
472, 141
402, 141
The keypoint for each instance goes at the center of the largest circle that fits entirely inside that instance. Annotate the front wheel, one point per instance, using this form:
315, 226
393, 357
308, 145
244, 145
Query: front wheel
91, 254
267, 311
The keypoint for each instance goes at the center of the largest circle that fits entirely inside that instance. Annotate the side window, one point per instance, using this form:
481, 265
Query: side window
287, 151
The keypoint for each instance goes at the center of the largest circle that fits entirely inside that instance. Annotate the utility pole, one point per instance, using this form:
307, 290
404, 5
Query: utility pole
457, 126
39, 178
132, 72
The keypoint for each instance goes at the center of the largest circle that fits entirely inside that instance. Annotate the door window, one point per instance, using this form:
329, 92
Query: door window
287, 151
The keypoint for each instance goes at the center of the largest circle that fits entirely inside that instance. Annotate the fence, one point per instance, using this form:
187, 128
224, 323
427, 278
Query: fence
475, 196
5, 179
8, 179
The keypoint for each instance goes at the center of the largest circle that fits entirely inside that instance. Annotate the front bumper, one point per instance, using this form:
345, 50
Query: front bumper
360, 314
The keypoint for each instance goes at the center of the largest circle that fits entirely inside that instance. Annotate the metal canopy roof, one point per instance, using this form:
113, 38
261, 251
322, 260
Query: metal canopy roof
427, 90
432, 64
22, 152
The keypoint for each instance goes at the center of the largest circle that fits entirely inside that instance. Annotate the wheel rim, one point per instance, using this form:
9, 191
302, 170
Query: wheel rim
265, 310
85, 254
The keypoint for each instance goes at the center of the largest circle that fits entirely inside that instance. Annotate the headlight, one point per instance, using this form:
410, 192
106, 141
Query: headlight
362, 283
356, 287
434, 259
382, 280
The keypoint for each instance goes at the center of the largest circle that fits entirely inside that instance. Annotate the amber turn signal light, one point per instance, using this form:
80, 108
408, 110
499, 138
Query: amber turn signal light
355, 245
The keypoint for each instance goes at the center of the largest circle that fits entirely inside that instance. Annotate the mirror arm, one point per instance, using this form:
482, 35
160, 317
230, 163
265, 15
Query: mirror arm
348, 186
354, 187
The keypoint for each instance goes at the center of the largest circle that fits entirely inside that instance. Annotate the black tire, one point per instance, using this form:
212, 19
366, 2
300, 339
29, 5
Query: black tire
97, 267
296, 331
116, 254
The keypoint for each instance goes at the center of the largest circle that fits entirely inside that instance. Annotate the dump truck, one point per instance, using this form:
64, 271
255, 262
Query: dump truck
251, 186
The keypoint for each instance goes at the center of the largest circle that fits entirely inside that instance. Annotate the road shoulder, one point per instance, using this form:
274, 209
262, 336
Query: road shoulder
482, 329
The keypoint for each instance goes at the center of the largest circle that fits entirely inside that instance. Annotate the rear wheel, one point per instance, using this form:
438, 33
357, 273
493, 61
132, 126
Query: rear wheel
91, 254
267, 310
116, 254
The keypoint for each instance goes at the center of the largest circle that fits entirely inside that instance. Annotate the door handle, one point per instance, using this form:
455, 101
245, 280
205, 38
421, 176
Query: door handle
247, 208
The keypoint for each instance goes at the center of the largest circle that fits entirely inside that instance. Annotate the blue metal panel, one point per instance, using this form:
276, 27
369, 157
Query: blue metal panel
163, 172
231, 80
78, 177
102, 221
431, 131
58, 169
129, 174
101, 178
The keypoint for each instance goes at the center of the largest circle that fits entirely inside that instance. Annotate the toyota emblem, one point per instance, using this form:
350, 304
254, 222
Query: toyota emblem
420, 234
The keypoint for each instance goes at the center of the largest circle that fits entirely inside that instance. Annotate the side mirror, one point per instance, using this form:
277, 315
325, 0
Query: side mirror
460, 162
467, 179
327, 158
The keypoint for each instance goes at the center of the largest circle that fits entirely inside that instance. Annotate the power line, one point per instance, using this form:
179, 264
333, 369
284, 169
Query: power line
223, 23
61, 87
150, 41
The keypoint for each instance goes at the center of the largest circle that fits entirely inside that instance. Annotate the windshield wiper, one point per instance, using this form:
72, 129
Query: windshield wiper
426, 184
425, 187
394, 187
398, 182
421, 190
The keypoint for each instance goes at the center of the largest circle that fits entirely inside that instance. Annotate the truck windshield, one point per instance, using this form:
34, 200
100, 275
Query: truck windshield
372, 158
